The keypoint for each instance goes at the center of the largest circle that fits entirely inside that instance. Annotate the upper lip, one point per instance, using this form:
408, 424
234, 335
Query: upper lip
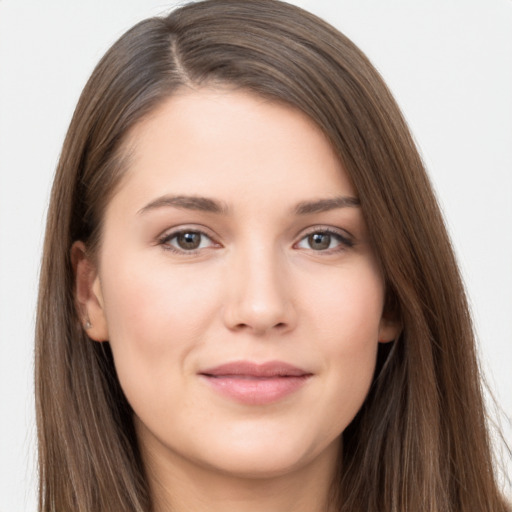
251, 369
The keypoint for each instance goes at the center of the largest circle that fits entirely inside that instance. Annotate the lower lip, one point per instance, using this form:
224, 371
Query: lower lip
256, 390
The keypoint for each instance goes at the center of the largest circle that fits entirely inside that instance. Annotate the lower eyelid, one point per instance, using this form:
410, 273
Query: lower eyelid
165, 239
344, 240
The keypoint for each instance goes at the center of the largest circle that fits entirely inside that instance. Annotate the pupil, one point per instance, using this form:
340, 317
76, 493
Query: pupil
319, 241
189, 240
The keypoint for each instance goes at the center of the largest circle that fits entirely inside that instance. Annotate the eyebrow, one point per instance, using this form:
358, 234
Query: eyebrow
324, 205
203, 204
206, 204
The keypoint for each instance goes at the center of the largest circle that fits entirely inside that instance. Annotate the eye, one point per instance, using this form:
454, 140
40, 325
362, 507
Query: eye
325, 240
186, 241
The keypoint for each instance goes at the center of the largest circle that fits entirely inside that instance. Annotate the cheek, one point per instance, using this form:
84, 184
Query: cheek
155, 320
154, 300
347, 314
349, 306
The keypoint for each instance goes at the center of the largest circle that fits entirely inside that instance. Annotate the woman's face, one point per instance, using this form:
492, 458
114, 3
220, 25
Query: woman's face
237, 287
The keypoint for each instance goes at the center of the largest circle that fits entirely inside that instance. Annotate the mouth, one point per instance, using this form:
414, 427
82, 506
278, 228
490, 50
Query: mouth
256, 384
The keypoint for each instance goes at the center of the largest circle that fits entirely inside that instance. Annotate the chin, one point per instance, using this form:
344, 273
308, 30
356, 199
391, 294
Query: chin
267, 458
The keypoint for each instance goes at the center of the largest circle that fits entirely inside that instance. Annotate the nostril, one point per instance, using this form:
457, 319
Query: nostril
245, 326
258, 314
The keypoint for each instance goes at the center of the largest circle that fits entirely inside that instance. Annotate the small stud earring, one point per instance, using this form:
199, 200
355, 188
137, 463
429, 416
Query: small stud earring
87, 324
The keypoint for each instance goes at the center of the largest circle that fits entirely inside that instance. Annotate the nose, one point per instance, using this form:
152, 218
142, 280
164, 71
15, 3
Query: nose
259, 294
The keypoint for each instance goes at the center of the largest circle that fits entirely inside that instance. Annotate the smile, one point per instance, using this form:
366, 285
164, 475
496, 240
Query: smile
256, 384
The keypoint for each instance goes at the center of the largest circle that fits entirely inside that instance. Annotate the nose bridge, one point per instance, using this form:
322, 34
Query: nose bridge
259, 298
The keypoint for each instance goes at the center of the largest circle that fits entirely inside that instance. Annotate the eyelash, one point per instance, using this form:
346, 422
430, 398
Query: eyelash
166, 238
345, 242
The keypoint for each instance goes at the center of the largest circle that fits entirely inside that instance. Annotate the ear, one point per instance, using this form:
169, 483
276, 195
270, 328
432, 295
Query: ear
390, 325
88, 294
389, 329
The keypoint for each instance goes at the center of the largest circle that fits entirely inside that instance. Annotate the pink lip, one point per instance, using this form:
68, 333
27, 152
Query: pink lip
256, 384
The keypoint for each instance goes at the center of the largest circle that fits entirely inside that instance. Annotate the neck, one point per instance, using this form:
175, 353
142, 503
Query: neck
180, 486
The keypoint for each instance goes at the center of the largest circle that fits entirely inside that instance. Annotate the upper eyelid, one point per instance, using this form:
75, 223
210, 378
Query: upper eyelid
327, 229
165, 238
346, 242
170, 233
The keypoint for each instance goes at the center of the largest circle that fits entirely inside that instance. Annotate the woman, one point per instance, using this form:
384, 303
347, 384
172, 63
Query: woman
248, 299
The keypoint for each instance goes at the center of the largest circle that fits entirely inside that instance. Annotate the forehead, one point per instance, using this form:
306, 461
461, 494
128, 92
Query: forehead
234, 145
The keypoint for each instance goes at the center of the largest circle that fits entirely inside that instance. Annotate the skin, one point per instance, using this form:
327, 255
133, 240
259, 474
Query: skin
257, 288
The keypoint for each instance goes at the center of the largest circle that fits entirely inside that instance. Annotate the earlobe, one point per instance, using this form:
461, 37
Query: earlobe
389, 330
390, 326
88, 294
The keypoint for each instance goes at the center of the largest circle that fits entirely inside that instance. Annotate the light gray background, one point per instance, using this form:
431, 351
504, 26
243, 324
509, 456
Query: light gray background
449, 63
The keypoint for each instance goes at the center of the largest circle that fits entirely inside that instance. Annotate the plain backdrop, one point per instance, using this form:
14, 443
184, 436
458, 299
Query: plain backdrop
449, 64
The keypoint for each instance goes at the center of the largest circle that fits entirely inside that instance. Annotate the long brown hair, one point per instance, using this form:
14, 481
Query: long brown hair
420, 441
